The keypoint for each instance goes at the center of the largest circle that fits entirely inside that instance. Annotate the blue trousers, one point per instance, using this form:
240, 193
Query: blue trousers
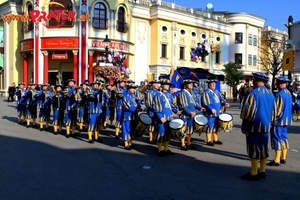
189, 123
112, 111
83, 114
71, 117
93, 120
279, 139
126, 130
118, 119
21, 109
107, 112
58, 117
257, 145
163, 131
212, 124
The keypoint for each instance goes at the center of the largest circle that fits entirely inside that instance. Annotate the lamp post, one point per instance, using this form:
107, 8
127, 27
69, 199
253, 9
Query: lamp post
288, 25
106, 43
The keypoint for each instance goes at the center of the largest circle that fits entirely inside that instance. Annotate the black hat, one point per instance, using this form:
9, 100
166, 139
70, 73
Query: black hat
165, 82
58, 85
131, 85
130, 81
21, 83
121, 80
188, 81
211, 80
260, 76
95, 82
154, 81
30, 84
71, 80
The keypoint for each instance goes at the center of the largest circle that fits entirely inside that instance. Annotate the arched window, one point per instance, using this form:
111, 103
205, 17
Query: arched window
61, 21
121, 23
30, 23
99, 19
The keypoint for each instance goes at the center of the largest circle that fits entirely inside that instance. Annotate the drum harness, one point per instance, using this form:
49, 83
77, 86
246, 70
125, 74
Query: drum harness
167, 101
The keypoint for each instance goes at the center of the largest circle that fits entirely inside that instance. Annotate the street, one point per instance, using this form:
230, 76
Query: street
41, 165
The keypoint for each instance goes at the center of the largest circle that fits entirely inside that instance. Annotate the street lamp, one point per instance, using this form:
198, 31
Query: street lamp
106, 43
288, 25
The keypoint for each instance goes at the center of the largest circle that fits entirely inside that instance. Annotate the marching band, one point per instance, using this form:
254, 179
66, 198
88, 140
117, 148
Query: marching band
159, 109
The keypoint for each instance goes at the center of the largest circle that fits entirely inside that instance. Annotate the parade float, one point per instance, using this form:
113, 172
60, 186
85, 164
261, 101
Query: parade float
114, 68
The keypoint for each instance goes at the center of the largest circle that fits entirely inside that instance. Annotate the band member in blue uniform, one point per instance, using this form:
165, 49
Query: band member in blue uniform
72, 98
129, 115
32, 100
83, 106
212, 100
106, 111
186, 102
45, 100
95, 109
279, 138
119, 96
149, 104
21, 102
163, 109
258, 112
58, 106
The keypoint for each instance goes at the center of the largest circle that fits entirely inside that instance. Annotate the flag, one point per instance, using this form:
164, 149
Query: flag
288, 60
175, 78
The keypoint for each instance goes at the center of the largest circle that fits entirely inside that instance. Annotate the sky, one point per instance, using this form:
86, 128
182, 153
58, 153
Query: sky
275, 12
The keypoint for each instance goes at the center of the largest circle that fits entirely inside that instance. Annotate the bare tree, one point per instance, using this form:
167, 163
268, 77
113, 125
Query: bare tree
271, 50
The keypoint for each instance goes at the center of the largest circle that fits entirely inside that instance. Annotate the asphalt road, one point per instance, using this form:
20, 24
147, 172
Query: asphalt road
40, 165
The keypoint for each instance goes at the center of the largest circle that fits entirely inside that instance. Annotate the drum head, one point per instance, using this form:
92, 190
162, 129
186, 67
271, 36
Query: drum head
225, 117
146, 119
201, 119
176, 124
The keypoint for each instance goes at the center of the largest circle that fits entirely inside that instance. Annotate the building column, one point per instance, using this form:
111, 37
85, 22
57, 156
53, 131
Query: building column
91, 70
25, 69
75, 65
46, 66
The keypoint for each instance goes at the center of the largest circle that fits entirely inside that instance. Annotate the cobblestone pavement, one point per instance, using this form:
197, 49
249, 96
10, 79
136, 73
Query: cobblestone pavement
41, 165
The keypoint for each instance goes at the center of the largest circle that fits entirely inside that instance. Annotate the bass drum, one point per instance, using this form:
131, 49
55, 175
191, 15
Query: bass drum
144, 121
225, 122
200, 123
177, 128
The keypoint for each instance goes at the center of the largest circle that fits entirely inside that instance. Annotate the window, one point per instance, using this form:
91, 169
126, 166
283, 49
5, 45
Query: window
250, 39
254, 40
249, 59
30, 23
193, 34
60, 22
254, 60
182, 32
99, 19
121, 24
164, 51
217, 57
164, 29
238, 58
203, 36
181, 53
239, 38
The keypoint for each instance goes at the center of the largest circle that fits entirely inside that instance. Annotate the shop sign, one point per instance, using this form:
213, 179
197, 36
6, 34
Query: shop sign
60, 56
59, 43
27, 45
112, 45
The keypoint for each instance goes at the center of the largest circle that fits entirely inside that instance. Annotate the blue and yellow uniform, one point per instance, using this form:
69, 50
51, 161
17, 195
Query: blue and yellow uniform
112, 107
186, 102
279, 138
163, 108
45, 100
149, 97
120, 92
258, 112
32, 101
83, 105
129, 115
72, 99
296, 105
58, 106
21, 102
106, 112
94, 111
212, 100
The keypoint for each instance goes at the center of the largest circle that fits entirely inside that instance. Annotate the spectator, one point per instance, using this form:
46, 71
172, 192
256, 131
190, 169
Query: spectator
235, 93
11, 92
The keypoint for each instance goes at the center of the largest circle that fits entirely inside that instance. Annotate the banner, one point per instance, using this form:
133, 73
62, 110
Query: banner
288, 60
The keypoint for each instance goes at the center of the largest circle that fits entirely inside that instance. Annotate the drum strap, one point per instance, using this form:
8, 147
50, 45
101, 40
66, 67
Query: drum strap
215, 96
190, 96
167, 101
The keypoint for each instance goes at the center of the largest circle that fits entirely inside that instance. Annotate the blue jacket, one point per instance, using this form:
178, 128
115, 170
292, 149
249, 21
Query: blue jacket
163, 105
32, 97
94, 101
45, 99
187, 103
58, 101
119, 95
258, 111
72, 98
212, 100
284, 107
149, 97
129, 107
21, 96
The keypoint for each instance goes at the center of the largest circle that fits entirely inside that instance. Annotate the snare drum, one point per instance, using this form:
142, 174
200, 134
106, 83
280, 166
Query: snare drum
144, 121
200, 122
225, 122
177, 128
